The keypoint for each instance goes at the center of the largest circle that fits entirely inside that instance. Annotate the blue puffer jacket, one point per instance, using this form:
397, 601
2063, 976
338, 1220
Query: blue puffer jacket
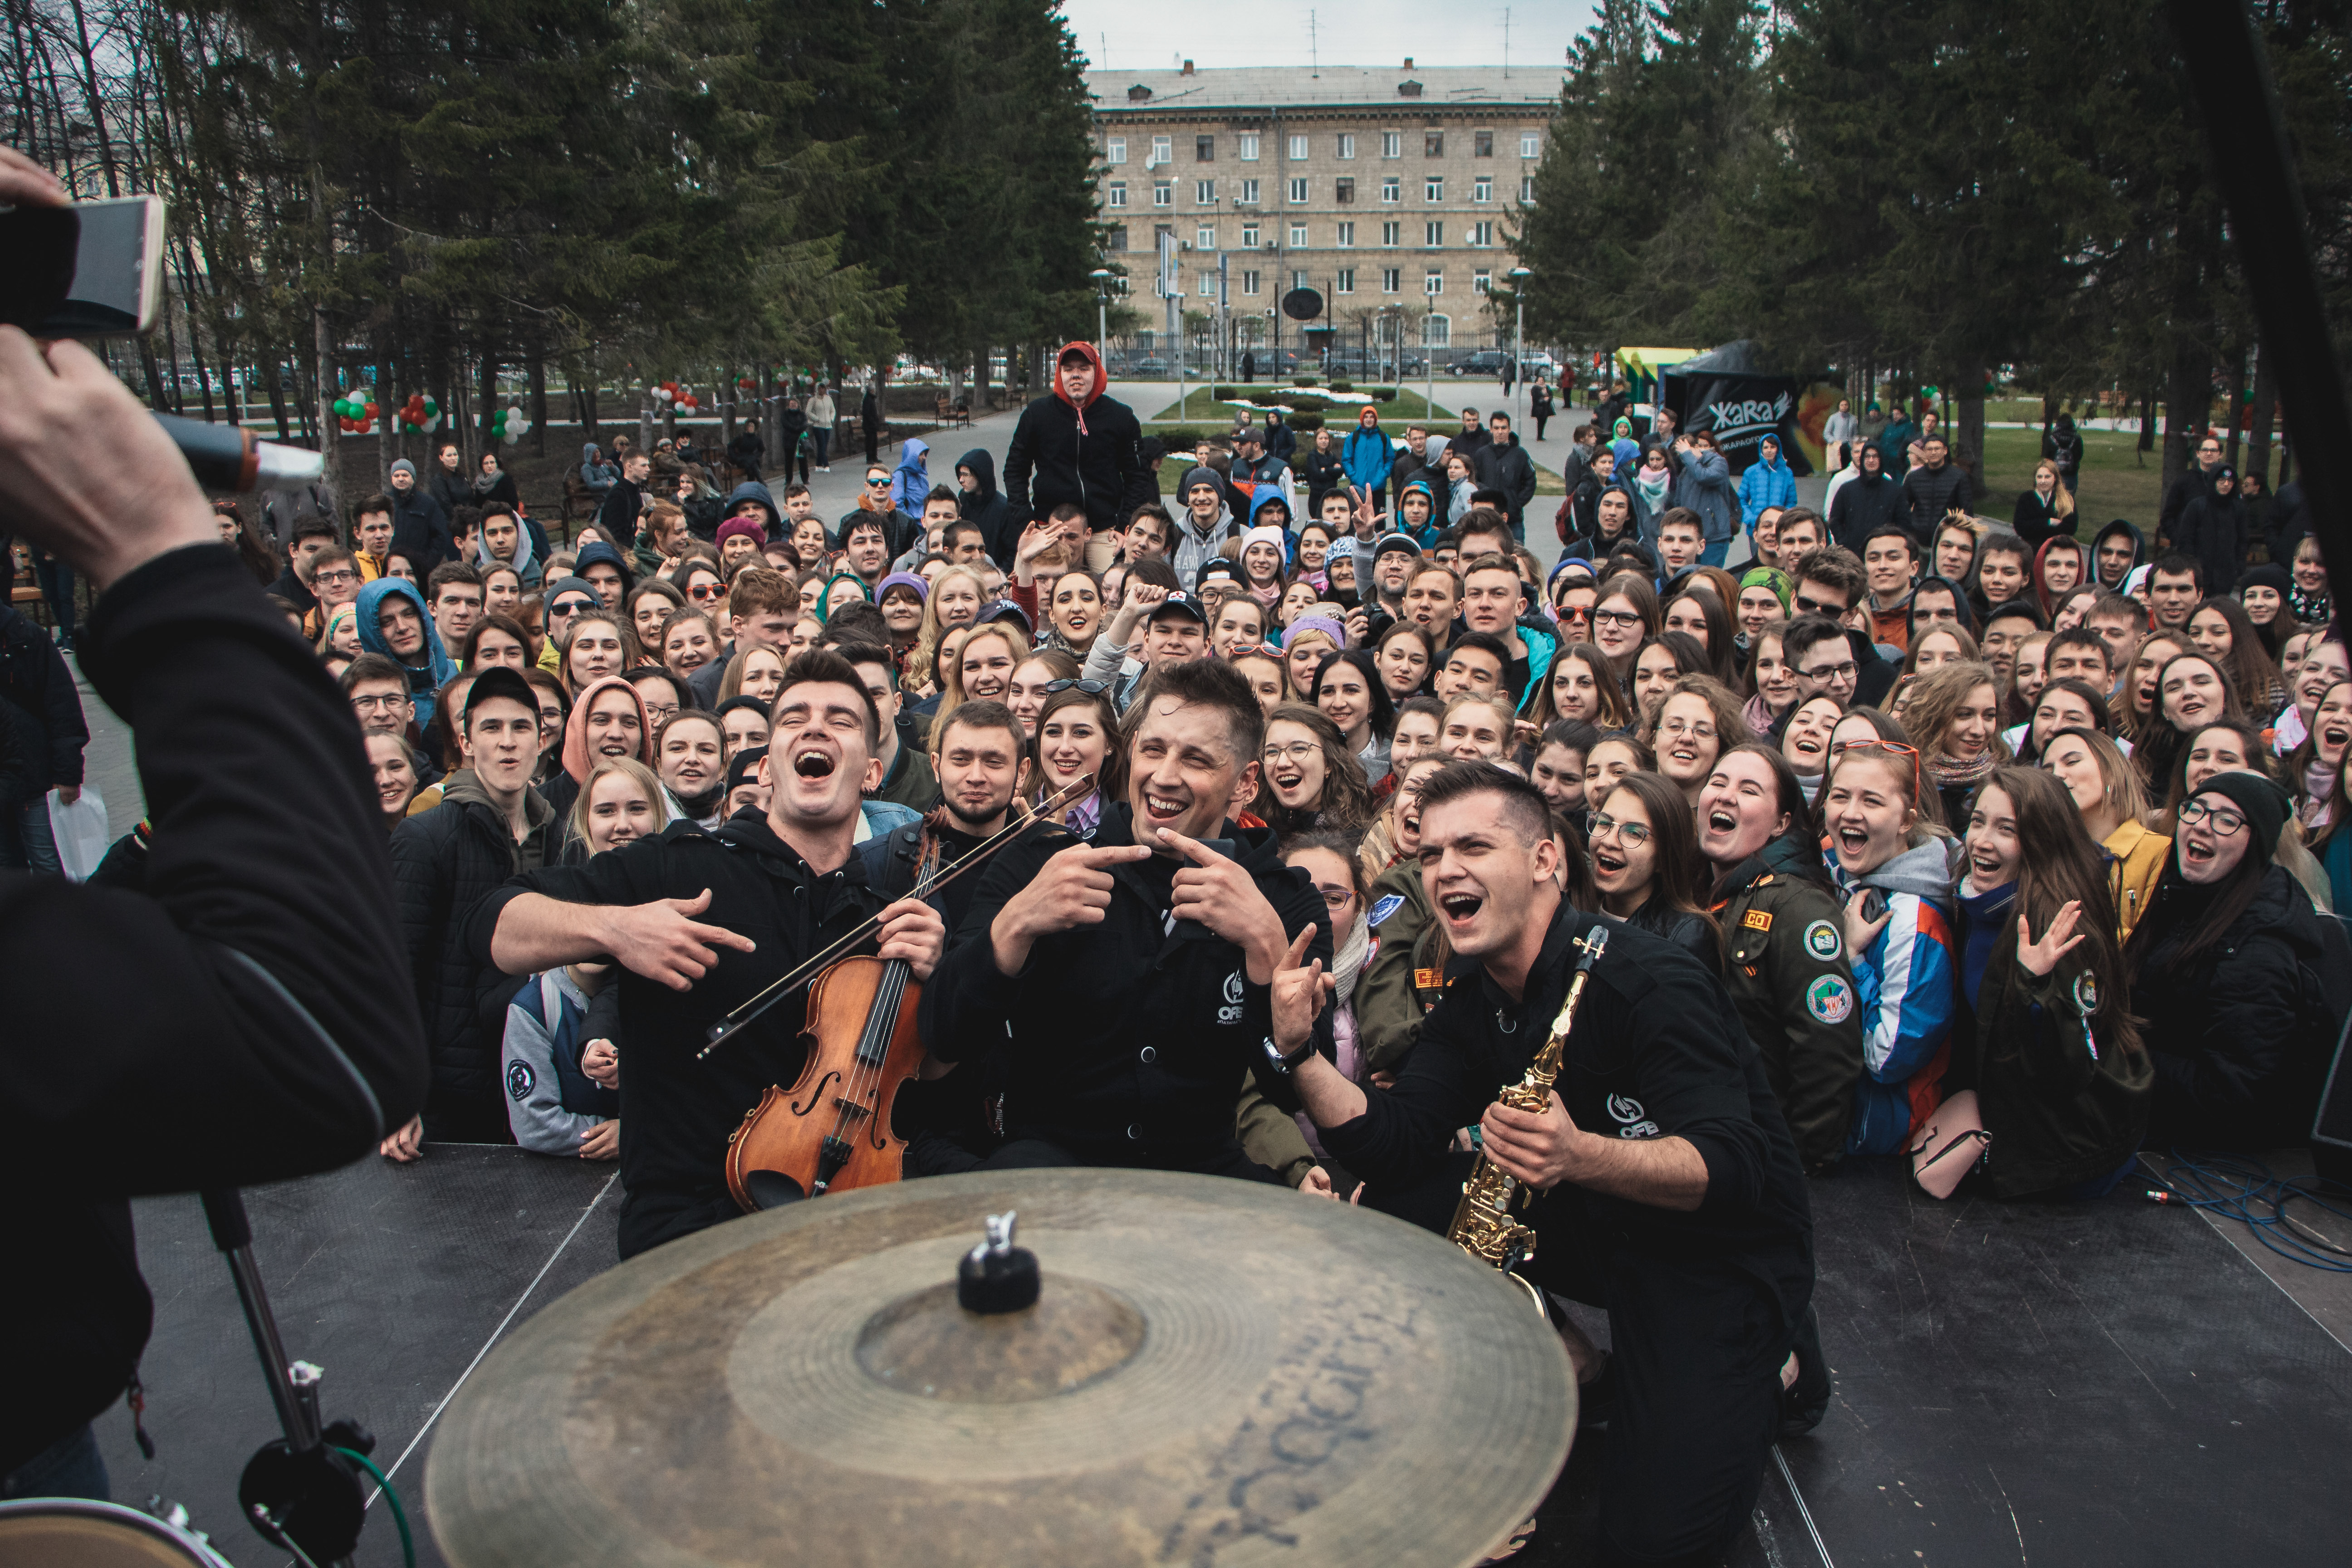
1766, 482
1366, 455
1704, 486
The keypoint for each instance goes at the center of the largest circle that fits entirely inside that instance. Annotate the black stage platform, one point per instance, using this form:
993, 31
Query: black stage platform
2103, 1383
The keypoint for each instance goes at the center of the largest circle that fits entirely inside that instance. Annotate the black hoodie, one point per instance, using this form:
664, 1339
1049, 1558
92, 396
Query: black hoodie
986, 506
2139, 553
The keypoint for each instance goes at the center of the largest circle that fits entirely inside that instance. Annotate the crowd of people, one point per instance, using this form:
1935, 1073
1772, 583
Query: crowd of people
2010, 850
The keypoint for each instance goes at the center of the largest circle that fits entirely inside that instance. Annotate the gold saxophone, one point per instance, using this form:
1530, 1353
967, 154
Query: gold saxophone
1484, 1225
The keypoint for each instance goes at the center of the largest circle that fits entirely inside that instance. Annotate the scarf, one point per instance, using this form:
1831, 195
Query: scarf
1948, 771
485, 483
2319, 795
1653, 493
1348, 963
2306, 606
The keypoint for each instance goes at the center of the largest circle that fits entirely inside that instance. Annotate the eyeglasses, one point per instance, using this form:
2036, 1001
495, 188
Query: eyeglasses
1683, 727
881, 484
1297, 752
378, 704
702, 592
1632, 832
1336, 897
1091, 687
345, 575
1808, 604
1616, 619
1826, 672
658, 711
567, 607
2224, 824
1895, 747
1577, 613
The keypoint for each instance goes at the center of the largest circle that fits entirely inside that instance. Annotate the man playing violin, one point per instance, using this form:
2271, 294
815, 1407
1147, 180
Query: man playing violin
700, 922
1124, 981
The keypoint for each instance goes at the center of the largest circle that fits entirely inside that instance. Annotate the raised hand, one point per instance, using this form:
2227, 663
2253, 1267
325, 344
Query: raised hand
1219, 894
1072, 890
2040, 957
1298, 994
663, 942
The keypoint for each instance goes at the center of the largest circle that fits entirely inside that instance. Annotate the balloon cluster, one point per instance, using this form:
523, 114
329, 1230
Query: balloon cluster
1927, 395
508, 425
671, 392
419, 414
357, 411
745, 384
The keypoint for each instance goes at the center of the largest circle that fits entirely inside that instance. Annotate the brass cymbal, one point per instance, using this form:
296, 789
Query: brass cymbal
1217, 1371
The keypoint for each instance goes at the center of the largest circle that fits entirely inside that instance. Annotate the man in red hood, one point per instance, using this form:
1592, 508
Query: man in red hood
1075, 445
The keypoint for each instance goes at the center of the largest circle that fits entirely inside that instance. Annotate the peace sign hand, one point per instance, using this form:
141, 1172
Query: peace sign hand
2038, 958
1297, 994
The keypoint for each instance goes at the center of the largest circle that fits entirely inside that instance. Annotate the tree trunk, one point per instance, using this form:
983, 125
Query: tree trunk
2188, 404
645, 418
2146, 423
274, 384
490, 385
538, 399
2264, 411
330, 433
2237, 405
1971, 428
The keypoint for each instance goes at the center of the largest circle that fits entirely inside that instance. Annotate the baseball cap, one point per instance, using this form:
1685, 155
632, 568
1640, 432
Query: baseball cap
1178, 603
1391, 544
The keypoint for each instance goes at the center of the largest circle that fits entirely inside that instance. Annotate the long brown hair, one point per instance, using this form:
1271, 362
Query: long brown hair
1347, 799
1680, 872
2057, 863
1616, 713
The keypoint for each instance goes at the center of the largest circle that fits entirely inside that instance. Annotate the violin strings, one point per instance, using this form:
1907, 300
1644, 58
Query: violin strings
746, 1012
866, 1078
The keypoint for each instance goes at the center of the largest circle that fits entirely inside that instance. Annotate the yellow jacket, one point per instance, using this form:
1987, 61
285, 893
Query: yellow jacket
2139, 857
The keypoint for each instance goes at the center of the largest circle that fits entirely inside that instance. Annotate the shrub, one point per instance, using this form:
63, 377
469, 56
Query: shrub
1385, 395
1343, 386
1224, 394
1177, 438
1306, 423
1304, 405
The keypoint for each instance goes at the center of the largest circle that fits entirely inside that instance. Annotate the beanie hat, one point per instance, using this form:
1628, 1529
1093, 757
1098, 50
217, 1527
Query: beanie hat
402, 466
1770, 577
2270, 574
742, 527
903, 580
2265, 806
1193, 477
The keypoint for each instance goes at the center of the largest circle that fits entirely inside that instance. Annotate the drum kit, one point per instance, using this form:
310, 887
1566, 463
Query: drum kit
1139, 1368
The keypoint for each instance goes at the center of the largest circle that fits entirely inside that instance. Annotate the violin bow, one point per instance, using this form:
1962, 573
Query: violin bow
744, 1016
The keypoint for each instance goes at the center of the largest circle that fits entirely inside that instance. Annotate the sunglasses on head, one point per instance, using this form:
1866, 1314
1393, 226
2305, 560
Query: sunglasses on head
1091, 687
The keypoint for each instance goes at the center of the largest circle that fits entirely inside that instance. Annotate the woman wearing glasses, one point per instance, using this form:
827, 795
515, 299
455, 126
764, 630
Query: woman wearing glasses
568, 598
1309, 777
1402, 982
2243, 985
1625, 614
1697, 722
1646, 866
1327, 858
1892, 871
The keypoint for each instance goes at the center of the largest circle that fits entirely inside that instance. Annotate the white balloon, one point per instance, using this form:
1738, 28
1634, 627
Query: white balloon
512, 437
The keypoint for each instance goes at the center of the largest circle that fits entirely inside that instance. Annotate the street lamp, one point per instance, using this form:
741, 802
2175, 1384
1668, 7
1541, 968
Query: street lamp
1520, 275
1102, 277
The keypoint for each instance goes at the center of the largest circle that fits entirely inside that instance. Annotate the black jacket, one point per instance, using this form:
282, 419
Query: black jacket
987, 507
231, 1025
747, 452
420, 530
35, 682
444, 861
2191, 483
2286, 522
2215, 530
1929, 493
1865, 502
1123, 1042
1508, 469
618, 516
1658, 1050
1051, 461
450, 491
2034, 521
676, 1111
2242, 1034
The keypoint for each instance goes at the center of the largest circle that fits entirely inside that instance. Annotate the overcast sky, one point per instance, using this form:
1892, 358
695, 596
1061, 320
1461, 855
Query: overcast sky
1125, 34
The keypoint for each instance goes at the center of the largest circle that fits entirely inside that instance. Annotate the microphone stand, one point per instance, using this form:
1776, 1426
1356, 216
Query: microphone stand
298, 1491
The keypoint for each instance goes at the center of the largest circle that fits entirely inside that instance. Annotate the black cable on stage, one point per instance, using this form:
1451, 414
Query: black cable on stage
2241, 1188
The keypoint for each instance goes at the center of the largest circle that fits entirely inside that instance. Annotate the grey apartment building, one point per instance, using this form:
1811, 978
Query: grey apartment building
1378, 188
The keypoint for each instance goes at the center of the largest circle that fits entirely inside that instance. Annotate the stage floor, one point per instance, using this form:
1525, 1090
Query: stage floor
2117, 1382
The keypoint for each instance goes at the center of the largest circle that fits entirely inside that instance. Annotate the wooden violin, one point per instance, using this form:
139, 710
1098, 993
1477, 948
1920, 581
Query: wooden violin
830, 1130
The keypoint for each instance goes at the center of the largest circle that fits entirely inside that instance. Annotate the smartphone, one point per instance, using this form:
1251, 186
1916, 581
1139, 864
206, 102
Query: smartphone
1872, 902
90, 270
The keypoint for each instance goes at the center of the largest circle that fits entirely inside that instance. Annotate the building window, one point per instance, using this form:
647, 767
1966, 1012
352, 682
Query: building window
1392, 189
1249, 193
1205, 237
1530, 144
1347, 236
1298, 149
1482, 144
1434, 283
1114, 149
1118, 193
1163, 195
1433, 232
1204, 149
1118, 237
1208, 285
1343, 190
1297, 192
1347, 144
1249, 236
1433, 189
1437, 330
1249, 281
1299, 280
1163, 150
1482, 189
1527, 189
1481, 235
1481, 282
1391, 235
1249, 146
1204, 193
1298, 236
1432, 144
1391, 144
1344, 281
1392, 279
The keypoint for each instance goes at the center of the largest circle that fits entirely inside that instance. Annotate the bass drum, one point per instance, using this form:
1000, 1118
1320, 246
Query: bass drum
82, 1533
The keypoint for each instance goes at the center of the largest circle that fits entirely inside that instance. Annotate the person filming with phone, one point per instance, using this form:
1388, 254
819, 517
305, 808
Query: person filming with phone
204, 1032
1125, 980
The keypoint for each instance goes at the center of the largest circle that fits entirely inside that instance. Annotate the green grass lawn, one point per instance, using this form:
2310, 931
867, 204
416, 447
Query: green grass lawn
2118, 479
1409, 407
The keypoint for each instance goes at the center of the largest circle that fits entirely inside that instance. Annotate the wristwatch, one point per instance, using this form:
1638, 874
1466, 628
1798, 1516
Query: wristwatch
1286, 1065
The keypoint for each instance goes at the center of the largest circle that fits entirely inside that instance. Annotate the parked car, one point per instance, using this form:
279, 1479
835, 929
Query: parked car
1483, 363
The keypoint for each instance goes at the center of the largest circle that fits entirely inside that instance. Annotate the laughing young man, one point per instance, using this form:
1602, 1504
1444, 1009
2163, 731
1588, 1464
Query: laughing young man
700, 926
1667, 1187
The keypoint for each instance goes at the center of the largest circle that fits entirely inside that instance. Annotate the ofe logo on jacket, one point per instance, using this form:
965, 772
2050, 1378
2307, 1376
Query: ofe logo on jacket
1631, 1121
1231, 1013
